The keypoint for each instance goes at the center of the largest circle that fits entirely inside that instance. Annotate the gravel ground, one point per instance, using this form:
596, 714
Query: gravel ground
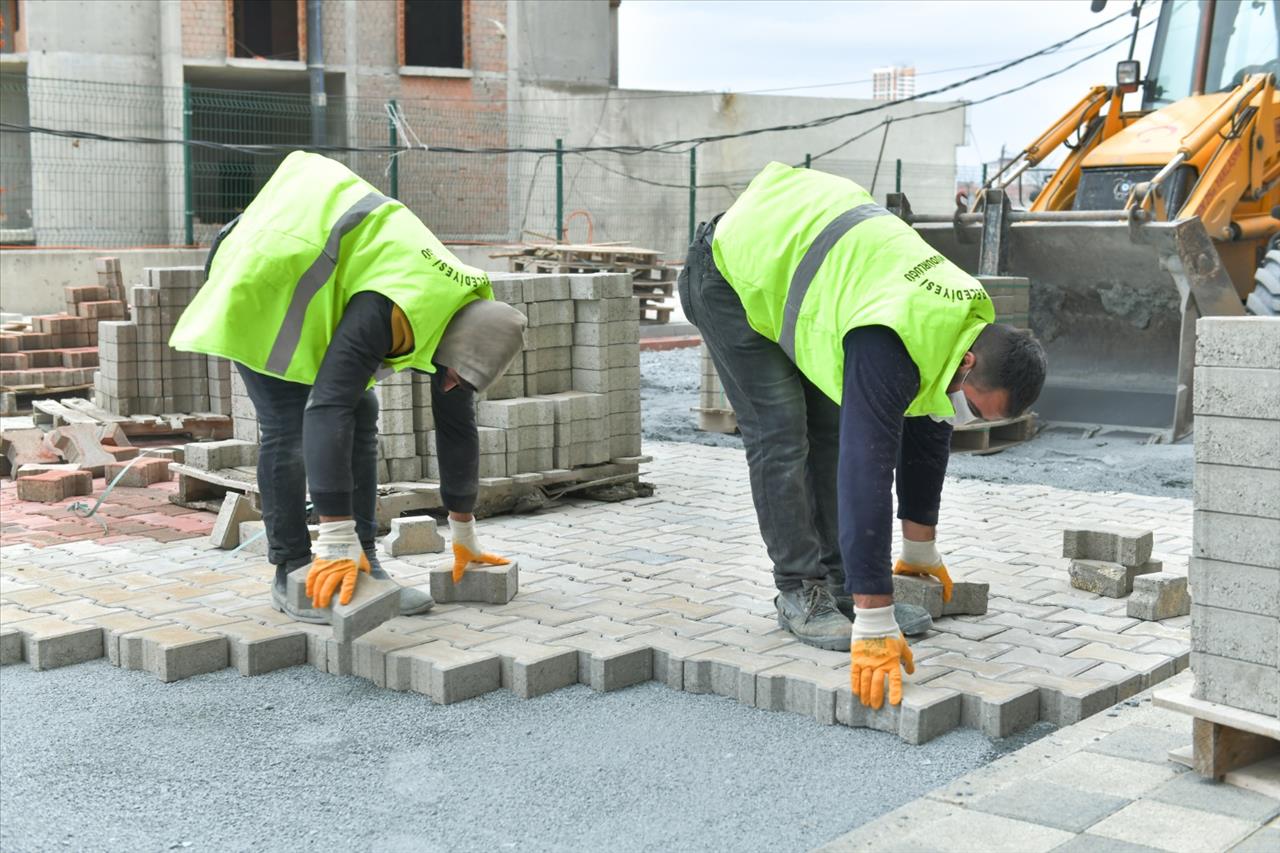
96, 758
1060, 458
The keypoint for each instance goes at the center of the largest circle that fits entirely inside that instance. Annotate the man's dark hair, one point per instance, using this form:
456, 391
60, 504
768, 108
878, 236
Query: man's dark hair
1012, 359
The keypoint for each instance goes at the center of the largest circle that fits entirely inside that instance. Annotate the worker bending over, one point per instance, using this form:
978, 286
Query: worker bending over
848, 348
322, 285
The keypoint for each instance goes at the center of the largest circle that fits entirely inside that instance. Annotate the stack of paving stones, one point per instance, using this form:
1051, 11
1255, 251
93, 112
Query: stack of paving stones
1235, 565
1106, 560
714, 412
140, 373
606, 602
61, 350
398, 459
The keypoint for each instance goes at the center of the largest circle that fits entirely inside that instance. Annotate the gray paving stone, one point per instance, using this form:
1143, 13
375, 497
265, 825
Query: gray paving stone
1158, 596
445, 673
995, 708
1111, 580
1265, 840
1173, 828
1050, 804
1125, 545
1089, 843
485, 584
257, 649
1058, 665
1142, 743
10, 646
173, 653
1244, 637
50, 642
1249, 686
607, 664
416, 535
532, 669
369, 652
1196, 792
374, 602
1064, 701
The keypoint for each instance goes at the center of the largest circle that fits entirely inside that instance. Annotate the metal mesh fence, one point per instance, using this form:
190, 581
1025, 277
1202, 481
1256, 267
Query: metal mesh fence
57, 191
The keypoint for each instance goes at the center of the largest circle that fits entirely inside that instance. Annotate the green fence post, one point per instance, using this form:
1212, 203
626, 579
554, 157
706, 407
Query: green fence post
984, 174
808, 159
559, 190
395, 161
897, 176
188, 208
693, 191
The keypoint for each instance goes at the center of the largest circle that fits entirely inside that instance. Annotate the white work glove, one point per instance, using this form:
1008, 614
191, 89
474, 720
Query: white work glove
877, 650
337, 563
467, 548
922, 558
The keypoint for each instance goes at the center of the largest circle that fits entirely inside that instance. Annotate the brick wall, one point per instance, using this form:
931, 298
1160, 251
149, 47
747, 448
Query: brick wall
204, 29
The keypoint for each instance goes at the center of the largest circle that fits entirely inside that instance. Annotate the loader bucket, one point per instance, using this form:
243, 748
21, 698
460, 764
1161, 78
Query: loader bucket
1115, 306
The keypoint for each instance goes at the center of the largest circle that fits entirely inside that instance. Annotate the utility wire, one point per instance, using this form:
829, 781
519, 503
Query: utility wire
675, 146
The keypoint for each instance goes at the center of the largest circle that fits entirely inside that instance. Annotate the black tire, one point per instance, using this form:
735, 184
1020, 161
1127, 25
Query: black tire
1265, 299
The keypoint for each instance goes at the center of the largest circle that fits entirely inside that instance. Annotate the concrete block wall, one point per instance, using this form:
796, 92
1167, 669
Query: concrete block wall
139, 373
1235, 564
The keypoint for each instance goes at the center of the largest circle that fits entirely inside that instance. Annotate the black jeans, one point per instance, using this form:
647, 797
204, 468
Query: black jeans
790, 429
282, 475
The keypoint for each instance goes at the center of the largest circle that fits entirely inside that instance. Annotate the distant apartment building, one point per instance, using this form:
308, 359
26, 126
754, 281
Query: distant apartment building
893, 83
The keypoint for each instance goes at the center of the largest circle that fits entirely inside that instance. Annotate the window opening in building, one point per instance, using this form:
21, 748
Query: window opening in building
433, 33
266, 29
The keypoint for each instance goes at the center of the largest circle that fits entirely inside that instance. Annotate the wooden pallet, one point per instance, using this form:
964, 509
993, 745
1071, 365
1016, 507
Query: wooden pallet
73, 410
717, 420
18, 399
1223, 739
653, 289
993, 436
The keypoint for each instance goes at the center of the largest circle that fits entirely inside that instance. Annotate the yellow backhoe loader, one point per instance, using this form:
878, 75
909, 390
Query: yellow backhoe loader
1156, 217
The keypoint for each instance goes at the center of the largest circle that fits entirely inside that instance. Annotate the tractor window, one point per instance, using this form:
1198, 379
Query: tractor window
1246, 39
1173, 55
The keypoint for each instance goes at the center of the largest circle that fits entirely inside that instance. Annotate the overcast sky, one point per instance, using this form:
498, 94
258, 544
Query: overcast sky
731, 45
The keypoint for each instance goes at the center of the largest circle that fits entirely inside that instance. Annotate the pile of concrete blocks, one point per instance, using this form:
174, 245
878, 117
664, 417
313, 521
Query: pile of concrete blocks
714, 412
1106, 560
244, 417
61, 350
398, 459
1235, 563
140, 373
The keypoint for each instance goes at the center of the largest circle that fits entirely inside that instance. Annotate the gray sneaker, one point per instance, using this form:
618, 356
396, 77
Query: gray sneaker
912, 619
316, 616
811, 614
413, 601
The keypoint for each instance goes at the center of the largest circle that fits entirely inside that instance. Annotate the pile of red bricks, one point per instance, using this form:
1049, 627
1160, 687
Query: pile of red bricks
61, 350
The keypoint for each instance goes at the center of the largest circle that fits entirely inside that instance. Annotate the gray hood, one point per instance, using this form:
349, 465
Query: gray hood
481, 341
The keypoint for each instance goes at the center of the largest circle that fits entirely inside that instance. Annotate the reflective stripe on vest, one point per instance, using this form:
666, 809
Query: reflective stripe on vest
309, 284
811, 262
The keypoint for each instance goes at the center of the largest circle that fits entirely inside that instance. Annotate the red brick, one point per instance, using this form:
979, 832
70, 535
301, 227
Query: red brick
14, 361
141, 474
10, 342
41, 358
122, 454
55, 486
105, 310
86, 293
34, 340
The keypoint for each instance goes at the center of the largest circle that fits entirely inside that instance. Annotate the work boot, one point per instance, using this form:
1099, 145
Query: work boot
810, 613
912, 619
413, 601
279, 600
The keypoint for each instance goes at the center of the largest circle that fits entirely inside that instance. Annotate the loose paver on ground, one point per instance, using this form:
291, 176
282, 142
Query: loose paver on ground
674, 588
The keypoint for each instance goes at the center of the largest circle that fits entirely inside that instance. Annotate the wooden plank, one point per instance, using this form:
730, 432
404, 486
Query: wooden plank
59, 412
1180, 699
88, 408
1219, 749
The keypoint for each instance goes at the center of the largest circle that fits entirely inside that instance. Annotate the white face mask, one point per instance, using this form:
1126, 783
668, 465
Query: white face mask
960, 403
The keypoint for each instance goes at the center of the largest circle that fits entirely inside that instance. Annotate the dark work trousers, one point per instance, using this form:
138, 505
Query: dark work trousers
790, 429
282, 474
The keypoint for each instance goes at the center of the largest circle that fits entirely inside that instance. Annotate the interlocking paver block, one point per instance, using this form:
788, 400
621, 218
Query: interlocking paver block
52, 642
725, 672
996, 708
54, 486
531, 669
1066, 700
139, 474
173, 653
445, 673
416, 535
213, 455
10, 646
608, 664
374, 602
926, 712
256, 649
487, 584
115, 625
369, 652
235, 510
1159, 596
1112, 580
1127, 546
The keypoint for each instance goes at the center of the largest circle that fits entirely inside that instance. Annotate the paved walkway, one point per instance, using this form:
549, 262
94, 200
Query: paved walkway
675, 588
1104, 785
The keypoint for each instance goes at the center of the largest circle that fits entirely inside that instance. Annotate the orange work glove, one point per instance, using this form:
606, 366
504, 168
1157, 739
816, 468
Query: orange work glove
878, 651
339, 560
922, 558
467, 550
